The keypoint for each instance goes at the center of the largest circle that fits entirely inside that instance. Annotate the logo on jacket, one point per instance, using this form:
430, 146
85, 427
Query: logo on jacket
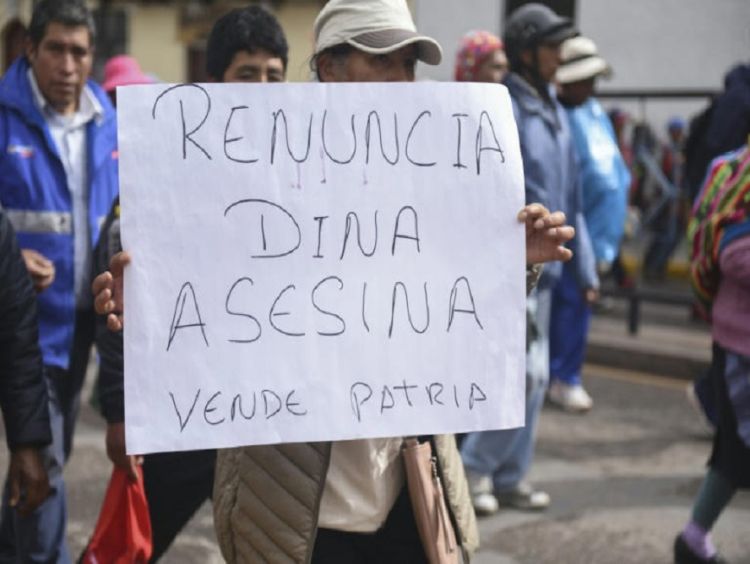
115, 155
23, 151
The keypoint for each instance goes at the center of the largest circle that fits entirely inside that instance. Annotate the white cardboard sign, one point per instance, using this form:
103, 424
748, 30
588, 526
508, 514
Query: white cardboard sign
320, 262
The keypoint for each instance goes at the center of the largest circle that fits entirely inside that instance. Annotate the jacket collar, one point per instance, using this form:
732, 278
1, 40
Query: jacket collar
528, 98
17, 93
89, 107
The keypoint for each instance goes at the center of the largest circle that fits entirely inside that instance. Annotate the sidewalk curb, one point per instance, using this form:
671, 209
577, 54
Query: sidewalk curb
673, 366
677, 269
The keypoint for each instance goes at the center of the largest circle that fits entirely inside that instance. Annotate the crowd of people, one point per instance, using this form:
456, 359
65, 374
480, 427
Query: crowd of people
344, 501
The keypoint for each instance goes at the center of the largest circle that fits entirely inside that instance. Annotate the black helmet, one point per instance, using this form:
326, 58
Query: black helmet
532, 24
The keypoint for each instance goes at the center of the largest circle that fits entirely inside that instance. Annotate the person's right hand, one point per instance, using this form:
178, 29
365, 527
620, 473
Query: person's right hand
27, 480
116, 451
40, 268
108, 293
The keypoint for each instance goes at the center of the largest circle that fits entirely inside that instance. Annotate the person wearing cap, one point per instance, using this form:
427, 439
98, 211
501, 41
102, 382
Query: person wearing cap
344, 501
245, 45
480, 58
497, 462
122, 70
605, 180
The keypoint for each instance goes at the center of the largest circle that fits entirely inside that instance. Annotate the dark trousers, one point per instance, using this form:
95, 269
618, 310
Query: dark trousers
396, 542
40, 537
177, 484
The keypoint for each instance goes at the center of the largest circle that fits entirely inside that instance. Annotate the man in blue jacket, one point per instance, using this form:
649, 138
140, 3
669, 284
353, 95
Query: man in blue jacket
58, 178
605, 180
497, 462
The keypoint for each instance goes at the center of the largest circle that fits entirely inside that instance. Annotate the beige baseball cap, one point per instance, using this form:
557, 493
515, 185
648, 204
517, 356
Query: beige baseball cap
372, 26
580, 60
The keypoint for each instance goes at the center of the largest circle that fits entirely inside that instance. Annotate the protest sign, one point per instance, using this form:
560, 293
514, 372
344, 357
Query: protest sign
320, 262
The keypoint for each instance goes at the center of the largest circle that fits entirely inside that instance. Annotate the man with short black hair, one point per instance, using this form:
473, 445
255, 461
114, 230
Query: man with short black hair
58, 178
245, 45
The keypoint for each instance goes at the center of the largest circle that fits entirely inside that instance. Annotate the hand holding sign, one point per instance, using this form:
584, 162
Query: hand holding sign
546, 234
108, 291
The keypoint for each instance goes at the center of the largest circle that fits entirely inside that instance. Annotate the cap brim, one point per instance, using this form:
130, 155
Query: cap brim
560, 34
584, 69
389, 40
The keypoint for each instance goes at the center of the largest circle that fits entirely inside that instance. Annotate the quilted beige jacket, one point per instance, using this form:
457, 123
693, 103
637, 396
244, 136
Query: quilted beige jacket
267, 498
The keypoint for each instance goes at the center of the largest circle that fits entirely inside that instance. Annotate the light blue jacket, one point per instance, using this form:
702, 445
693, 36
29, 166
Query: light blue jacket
34, 193
604, 176
551, 172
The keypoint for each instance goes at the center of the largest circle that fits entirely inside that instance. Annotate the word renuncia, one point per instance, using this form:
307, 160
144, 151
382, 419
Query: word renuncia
409, 139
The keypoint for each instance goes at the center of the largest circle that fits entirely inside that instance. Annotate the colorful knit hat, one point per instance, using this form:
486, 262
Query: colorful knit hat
475, 47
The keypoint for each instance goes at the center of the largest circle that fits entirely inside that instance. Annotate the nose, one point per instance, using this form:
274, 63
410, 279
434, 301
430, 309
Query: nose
68, 63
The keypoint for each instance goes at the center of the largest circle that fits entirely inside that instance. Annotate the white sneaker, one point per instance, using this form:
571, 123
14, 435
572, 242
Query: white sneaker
482, 496
524, 496
570, 398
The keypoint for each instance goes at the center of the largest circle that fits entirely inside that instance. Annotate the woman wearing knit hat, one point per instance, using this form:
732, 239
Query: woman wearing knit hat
481, 58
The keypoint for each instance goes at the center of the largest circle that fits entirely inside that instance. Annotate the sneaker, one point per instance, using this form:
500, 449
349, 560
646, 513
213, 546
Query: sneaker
683, 554
524, 496
482, 498
569, 398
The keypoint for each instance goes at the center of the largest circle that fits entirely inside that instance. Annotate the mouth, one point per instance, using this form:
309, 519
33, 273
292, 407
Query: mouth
64, 87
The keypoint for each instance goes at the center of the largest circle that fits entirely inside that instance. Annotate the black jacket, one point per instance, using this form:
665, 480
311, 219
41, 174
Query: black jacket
23, 390
109, 344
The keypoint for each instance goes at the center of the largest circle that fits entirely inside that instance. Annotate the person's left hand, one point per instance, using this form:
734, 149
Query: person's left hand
591, 295
27, 480
546, 234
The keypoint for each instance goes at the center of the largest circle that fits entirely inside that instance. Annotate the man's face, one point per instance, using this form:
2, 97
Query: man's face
61, 63
493, 69
358, 66
545, 59
576, 93
258, 66
548, 60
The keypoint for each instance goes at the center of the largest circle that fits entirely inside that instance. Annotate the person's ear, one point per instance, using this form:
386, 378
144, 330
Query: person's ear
327, 68
527, 57
29, 49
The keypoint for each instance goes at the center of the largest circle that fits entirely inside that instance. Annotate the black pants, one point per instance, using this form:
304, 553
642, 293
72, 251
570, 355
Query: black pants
396, 542
177, 484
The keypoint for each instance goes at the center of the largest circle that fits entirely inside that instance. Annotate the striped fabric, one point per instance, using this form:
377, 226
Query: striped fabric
721, 214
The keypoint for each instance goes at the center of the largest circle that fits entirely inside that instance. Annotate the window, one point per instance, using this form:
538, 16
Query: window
565, 8
111, 36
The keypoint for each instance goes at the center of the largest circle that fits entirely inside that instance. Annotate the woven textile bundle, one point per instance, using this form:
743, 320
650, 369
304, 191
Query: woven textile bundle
721, 214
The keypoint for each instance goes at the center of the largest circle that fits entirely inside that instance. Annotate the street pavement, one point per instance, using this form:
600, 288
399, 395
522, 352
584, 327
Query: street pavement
622, 479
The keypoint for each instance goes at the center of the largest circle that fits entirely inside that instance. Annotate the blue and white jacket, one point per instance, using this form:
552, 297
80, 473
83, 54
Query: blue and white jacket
604, 176
35, 196
551, 174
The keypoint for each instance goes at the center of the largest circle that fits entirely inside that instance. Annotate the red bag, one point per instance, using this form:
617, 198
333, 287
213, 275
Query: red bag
123, 531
